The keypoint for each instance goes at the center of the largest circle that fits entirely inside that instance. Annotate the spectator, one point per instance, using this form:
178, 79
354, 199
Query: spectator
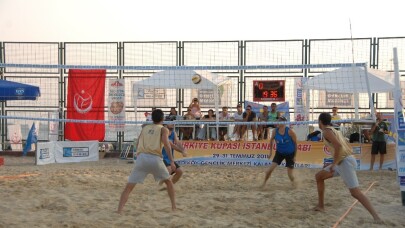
335, 116
378, 132
273, 115
238, 117
213, 131
173, 114
262, 130
195, 108
249, 116
223, 129
196, 111
187, 131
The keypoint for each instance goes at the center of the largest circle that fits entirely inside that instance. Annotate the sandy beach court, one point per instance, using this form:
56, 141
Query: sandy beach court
87, 194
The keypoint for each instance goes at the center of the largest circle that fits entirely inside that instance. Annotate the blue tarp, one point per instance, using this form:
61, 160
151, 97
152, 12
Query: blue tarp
18, 91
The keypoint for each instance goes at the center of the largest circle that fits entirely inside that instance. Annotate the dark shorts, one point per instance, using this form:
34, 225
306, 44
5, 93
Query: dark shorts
168, 164
379, 147
223, 129
289, 159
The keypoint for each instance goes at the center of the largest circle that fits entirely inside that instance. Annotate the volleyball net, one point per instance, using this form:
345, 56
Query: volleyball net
129, 79
124, 105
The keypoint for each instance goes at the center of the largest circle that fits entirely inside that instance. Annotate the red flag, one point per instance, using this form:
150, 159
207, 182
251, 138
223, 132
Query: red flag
85, 101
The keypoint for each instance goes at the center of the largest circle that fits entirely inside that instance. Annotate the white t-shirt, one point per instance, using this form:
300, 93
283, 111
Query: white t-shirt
237, 116
222, 117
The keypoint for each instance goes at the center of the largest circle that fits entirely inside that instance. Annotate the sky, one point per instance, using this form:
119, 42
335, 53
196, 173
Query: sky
192, 20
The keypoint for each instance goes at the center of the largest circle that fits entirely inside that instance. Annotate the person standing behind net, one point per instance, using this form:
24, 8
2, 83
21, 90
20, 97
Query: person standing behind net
378, 132
187, 131
196, 112
152, 139
286, 148
273, 115
173, 114
344, 164
202, 134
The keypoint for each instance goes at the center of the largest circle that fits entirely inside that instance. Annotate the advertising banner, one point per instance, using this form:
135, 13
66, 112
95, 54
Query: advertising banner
116, 104
282, 108
15, 136
66, 152
85, 101
53, 127
45, 153
300, 113
147, 97
256, 153
399, 127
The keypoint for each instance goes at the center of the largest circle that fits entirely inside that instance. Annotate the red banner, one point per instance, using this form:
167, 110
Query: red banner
85, 101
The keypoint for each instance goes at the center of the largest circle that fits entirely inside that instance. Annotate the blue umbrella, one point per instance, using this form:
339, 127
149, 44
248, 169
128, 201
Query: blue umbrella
18, 91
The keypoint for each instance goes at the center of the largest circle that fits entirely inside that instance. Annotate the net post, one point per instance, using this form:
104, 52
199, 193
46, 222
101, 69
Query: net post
369, 94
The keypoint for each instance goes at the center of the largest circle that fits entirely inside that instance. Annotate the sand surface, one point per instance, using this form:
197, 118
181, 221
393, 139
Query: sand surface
87, 194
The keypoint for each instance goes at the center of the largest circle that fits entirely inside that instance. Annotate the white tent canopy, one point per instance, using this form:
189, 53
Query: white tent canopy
353, 79
181, 79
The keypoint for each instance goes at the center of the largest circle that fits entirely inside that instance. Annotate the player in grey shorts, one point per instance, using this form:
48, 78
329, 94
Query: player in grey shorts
149, 160
343, 164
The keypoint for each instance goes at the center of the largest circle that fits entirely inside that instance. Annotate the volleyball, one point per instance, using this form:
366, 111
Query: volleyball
196, 78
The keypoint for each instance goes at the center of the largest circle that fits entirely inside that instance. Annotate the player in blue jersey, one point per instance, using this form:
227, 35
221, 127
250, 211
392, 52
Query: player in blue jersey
286, 148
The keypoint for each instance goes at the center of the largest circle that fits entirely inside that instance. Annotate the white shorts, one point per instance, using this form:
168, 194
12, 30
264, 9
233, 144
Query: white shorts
148, 164
347, 170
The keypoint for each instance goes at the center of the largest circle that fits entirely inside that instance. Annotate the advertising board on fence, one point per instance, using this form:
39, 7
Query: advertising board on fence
256, 153
45, 153
67, 151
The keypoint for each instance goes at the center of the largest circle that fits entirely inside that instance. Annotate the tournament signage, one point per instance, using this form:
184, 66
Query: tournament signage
339, 99
53, 131
400, 126
206, 97
15, 136
273, 90
257, 153
66, 151
116, 104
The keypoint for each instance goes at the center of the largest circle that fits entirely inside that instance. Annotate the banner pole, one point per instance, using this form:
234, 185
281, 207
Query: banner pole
400, 126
